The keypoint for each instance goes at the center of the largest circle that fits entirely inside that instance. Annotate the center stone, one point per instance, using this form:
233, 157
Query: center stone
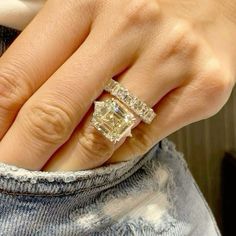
112, 119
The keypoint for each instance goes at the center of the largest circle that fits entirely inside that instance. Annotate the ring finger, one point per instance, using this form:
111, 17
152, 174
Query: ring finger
87, 147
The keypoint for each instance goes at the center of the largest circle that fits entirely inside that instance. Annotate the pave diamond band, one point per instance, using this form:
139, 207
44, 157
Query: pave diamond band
112, 119
134, 103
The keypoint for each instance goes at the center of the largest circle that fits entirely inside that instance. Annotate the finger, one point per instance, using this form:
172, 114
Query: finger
144, 136
49, 117
87, 147
54, 34
202, 97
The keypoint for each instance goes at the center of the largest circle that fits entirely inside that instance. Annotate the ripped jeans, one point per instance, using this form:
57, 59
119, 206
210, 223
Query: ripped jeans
154, 194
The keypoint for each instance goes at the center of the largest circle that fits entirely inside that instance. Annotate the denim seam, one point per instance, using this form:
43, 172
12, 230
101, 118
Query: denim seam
8, 171
91, 189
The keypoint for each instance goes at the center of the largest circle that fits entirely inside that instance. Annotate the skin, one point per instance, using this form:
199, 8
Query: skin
176, 55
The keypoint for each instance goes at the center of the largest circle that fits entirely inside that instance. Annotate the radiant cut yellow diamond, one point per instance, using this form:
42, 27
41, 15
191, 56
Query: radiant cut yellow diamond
112, 119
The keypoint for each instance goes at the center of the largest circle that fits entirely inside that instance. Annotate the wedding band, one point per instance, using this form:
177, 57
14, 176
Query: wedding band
139, 107
112, 119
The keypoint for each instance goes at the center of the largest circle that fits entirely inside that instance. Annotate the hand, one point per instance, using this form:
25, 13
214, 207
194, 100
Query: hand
177, 62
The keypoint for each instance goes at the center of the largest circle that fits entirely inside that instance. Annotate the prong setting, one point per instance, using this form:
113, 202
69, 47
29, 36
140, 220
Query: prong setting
112, 119
139, 107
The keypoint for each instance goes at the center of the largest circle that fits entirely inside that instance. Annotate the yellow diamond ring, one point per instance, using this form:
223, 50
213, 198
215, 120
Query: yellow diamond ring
112, 119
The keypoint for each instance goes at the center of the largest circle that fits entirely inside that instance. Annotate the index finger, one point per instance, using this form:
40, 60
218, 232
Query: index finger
38, 51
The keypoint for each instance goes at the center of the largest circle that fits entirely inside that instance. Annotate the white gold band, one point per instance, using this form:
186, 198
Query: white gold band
139, 107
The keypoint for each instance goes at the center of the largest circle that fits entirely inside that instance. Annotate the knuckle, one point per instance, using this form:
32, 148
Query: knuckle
182, 28
141, 11
184, 40
217, 80
217, 87
13, 90
189, 44
95, 145
50, 123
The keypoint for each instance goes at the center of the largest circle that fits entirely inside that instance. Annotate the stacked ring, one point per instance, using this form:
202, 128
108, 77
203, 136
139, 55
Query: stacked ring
113, 119
134, 103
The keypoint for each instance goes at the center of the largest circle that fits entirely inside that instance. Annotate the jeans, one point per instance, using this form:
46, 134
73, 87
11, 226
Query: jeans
154, 194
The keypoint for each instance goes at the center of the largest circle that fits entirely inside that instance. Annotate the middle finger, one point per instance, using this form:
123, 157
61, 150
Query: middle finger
37, 53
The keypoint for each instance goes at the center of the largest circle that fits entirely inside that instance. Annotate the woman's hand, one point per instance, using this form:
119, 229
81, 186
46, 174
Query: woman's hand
177, 56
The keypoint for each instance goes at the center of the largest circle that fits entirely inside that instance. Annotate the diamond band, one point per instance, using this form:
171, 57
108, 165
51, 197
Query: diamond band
112, 119
134, 103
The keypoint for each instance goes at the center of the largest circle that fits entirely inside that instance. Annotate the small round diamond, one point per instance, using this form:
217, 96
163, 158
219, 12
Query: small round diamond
135, 104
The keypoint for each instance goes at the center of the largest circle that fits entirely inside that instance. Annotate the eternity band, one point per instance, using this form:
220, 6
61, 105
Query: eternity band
134, 103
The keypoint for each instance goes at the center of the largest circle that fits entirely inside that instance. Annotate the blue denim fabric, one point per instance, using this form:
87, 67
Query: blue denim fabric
155, 194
